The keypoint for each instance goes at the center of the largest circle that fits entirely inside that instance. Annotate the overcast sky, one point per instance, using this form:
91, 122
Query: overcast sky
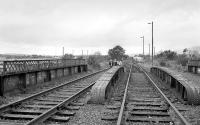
45, 26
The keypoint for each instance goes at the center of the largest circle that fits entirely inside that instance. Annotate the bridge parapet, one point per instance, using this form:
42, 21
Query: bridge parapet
104, 85
186, 89
22, 66
193, 65
194, 62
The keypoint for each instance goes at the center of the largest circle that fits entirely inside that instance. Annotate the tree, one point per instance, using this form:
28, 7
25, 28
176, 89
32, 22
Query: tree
68, 56
168, 54
116, 53
185, 50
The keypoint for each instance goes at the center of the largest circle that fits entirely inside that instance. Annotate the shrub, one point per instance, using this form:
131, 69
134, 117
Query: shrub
182, 60
93, 61
179, 67
162, 63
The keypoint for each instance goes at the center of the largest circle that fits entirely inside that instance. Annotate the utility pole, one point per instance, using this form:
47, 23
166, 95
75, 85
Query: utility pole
82, 53
63, 51
143, 44
87, 53
149, 50
154, 50
152, 40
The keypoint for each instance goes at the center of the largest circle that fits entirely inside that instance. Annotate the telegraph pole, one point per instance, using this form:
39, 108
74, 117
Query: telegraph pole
143, 44
149, 50
63, 51
152, 40
87, 53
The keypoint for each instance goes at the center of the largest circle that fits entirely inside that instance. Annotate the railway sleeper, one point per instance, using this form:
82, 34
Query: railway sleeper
37, 106
38, 112
142, 108
72, 107
58, 118
49, 99
26, 111
144, 99
156, 104
145, 113
76, 104
17, 116
44, 103
58, 96
110, 117
150, 119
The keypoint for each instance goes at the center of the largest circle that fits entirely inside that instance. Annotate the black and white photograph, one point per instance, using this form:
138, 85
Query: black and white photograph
99, 62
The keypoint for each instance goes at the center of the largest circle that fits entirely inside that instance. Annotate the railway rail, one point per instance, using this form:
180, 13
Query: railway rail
46, 105
144, 103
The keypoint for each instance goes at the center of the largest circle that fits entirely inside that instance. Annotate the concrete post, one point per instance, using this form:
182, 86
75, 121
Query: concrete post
22, 82
1, 85
48, 75
70, 70
36, 78
79, 69
189, 69
195, 69
56, 74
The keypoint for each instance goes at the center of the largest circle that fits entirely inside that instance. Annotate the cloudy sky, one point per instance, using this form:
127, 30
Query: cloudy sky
45, 26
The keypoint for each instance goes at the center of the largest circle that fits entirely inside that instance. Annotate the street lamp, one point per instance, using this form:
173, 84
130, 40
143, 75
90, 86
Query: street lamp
143, 44
152, 41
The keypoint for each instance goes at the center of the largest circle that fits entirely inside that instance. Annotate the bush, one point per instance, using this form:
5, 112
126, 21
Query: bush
93, 61
167, 54
179, 67
162, 63
182, 60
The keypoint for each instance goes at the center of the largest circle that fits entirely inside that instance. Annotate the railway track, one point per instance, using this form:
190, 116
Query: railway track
47, 105
144, 103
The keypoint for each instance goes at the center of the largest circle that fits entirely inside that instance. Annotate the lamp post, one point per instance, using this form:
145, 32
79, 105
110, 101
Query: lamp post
143, 44
152, 41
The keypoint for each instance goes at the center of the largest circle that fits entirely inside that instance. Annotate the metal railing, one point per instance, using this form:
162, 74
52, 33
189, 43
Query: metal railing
194, 62
18, 66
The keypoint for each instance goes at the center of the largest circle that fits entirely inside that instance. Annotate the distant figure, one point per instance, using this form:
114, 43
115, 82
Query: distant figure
110, 63
115, 62
119, 63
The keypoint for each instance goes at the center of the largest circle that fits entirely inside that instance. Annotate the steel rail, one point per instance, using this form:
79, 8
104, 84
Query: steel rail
120, 116
183, 120
10, 105
55, 109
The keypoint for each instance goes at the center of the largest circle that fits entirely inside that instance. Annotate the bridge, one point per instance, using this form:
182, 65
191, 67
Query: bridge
21, 73
194, 65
